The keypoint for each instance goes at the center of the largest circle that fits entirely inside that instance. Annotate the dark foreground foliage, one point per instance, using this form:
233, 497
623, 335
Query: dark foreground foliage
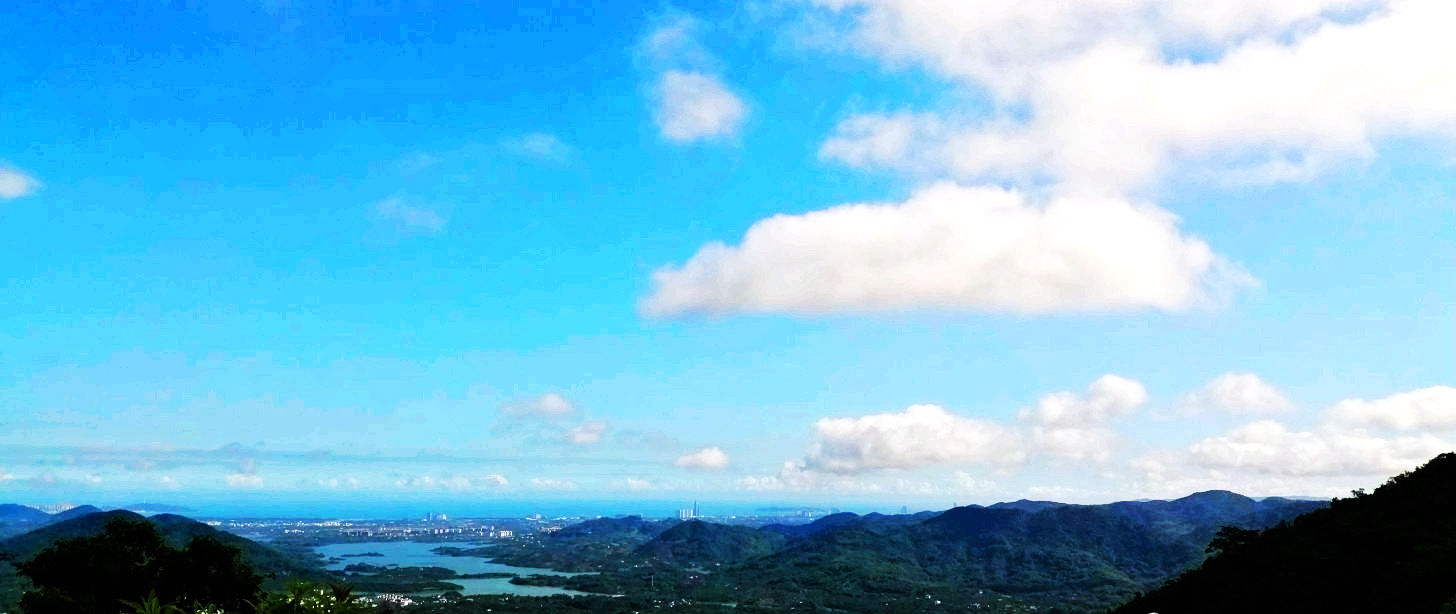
1393, 550
129, 561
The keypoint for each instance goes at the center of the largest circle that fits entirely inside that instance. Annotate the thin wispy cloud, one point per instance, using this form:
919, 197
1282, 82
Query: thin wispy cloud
548, 405
539, 146
15, 183
691, 101
410, 219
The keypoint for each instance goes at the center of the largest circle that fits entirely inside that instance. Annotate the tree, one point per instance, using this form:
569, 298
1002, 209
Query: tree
129, 559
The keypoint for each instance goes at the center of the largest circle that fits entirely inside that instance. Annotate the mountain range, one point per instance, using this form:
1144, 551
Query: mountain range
1002, 557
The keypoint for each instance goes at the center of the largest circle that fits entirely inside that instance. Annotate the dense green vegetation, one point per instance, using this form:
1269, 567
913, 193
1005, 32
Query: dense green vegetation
276, 569
594, 545
1007, 557
1024, 556
130, 560
1393, 550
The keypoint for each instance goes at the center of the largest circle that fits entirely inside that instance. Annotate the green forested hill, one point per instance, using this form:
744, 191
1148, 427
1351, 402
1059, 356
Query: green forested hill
698, 543
276, 567
1393, 550
1069, 557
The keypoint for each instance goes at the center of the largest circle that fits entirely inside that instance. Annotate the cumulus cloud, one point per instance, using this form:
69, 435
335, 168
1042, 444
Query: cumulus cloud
1236, 392
1269, 457
1063, 425
1108, 397
1425, 409
1267, 446
1071, 426
586, 434
711, 457
1116, 94
549, 405
495, 480
954, 247
919, 436
15, 184
410, 219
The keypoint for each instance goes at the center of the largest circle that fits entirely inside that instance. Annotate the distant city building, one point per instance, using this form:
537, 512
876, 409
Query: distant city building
689, 513
433, 517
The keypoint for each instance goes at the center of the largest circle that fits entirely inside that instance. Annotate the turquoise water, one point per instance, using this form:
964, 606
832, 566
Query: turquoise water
416, 554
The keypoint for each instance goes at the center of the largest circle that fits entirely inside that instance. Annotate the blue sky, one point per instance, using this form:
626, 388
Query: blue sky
862, 252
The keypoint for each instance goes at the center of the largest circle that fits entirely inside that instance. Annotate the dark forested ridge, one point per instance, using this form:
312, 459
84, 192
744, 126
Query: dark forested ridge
175, 532
1393, 550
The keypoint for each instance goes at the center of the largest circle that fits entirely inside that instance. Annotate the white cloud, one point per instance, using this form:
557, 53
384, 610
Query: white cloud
638, 484
541, 146
1431, 408
953, 247
795, 476
1267, 446
1108, 397
674, 42
450, 482
549, 405
15, 184
244, 480
690, 100
1236, 392
336, 483
693, 106
552, 484
408, 218
1071, 426
1114, 95
166, 481
711, 457
921, 435
1267, 457
586, 434
966, 483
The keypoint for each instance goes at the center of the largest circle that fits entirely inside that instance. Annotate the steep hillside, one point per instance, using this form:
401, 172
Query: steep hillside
704, 543
1393, 550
